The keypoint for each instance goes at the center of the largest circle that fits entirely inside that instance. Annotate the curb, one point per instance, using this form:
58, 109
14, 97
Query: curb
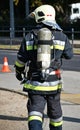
66, 99
14, 91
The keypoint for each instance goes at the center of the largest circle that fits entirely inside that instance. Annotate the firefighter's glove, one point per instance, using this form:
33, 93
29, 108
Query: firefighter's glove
55, 64
19, 75
19, 72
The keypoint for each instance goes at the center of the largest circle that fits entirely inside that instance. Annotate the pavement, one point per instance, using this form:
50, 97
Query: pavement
70, 97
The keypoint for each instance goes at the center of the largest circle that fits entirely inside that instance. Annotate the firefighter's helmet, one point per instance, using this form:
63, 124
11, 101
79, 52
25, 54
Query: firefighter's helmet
45, 14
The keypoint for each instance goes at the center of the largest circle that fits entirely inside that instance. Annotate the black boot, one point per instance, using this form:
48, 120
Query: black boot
35, 125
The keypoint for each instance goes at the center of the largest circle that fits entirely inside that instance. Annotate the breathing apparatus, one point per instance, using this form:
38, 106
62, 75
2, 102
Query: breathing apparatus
44, 50
44, 14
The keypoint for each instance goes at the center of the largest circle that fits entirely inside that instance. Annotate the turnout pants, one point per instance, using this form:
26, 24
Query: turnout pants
36, 105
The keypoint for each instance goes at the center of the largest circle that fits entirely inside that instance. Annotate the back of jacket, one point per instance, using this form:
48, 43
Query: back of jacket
60, 48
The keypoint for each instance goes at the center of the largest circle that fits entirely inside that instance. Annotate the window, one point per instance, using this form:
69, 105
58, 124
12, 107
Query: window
75, 10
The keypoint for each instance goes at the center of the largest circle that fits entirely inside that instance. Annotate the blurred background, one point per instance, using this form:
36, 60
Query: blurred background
15, 24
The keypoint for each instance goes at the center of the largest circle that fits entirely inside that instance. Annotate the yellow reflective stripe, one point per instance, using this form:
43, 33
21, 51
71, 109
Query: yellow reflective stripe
56, 123
18, 64
35, 47
34, 118
43, 88
30, 47
60, 47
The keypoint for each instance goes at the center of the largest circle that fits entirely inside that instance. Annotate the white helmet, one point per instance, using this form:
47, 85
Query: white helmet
46, 15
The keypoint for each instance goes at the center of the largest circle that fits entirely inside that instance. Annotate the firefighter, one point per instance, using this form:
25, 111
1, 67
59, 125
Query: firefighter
43, 49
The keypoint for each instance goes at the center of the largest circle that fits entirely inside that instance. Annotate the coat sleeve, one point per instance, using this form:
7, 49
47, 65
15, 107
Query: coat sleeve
22, 54
68, 50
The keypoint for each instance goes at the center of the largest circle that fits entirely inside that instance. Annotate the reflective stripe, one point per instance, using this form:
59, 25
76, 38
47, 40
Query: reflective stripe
30, 118
19, 64
30, 47
43, 88
36, 83
56, 120
56, 123
60, 47
20, 61
59, 42
5, 63
35, 47
57, 45
35, 113
30, 42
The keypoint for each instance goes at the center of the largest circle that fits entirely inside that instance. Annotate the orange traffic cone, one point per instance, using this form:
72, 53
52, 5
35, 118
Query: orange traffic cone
5, 67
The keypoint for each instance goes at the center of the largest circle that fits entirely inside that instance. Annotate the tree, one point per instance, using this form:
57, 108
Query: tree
61, 7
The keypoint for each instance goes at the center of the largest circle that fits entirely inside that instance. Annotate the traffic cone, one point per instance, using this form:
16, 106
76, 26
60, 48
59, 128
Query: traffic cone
5, 67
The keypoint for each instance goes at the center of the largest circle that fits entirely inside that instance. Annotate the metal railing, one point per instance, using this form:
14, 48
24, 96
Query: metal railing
20, 33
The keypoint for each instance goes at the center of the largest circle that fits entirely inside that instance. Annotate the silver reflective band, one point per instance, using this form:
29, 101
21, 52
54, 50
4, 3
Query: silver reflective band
29, 43
36, 83
58, 42
56, 120
35, 113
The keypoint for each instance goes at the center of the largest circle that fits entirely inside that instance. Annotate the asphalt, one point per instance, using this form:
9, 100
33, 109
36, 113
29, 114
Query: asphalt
70, 97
